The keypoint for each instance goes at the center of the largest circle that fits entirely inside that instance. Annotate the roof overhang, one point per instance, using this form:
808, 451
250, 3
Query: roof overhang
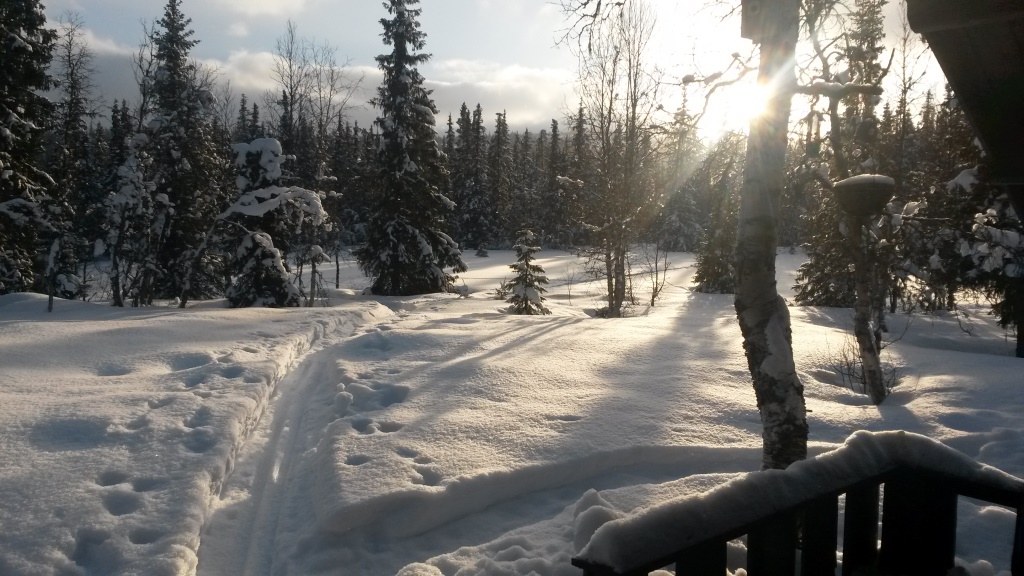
980, 46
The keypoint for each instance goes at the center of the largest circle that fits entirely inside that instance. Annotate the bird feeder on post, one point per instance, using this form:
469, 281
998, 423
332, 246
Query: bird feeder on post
862, 197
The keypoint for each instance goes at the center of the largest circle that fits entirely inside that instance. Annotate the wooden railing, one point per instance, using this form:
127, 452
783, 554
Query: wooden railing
918, 533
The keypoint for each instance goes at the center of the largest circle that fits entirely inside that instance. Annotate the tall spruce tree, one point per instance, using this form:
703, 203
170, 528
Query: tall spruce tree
407, 250
191, 165
475, 206
25, 51
499, 177
76, 192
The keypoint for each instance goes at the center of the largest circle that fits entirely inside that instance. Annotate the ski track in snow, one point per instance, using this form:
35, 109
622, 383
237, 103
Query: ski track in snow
114, 472
345, 399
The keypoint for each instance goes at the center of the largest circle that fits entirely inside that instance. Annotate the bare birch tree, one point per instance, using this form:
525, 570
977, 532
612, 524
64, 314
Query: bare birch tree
619, 92
762, 313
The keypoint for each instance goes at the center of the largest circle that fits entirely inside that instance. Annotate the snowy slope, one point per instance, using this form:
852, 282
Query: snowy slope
117, 427
434, 432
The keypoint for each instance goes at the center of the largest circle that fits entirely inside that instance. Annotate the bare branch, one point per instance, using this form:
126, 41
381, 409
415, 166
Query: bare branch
835, 90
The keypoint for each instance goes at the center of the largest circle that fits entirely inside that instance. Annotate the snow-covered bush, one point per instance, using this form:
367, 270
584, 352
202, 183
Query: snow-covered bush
261, 276
527, 287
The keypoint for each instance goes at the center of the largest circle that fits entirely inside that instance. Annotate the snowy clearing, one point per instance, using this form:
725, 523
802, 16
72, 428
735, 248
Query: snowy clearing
429, 435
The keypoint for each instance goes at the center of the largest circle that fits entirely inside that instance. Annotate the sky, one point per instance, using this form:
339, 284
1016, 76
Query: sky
503, 54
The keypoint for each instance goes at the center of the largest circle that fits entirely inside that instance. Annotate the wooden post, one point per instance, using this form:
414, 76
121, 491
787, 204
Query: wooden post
860, 529
918, 527
1017, 560
707, 559
820, 530
771, 549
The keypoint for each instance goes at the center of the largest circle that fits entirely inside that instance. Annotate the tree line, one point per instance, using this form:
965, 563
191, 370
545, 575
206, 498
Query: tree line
183, 194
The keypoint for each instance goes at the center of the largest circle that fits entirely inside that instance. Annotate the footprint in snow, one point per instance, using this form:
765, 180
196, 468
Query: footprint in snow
200, 440
148, 484
564, 418
560, 423
144, 535
113, 369
357, 460
112, 478
189, 361
88, 542
137, 423
414, 455
193, 380
231, 372
427, 476
64, 434
160, 402
202, 417
367, 426
121, 502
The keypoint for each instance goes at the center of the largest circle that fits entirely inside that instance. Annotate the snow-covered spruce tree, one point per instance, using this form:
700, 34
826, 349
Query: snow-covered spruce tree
716, 269
716, 181
245, 232
477, 207
134, 218
260, 276
499, 177
994, 252
25, 51
190, 166
407, 250
77, 193
527, 288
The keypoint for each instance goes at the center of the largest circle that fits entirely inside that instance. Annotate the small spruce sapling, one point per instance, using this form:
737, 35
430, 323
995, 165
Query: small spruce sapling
527, 287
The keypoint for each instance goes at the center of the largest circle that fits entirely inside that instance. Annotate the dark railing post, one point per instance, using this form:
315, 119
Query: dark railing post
707, 559
820, 530
918, 532
771, 547
1017, 560
918, 527
860, 529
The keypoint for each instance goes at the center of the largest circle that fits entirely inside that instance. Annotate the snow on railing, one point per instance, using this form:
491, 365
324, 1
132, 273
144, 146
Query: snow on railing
922, 478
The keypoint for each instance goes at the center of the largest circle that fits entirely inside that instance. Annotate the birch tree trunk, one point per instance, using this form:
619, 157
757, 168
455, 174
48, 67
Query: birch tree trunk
762, 313
867, 341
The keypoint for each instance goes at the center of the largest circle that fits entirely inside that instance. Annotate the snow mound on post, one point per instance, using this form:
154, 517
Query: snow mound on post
660, 530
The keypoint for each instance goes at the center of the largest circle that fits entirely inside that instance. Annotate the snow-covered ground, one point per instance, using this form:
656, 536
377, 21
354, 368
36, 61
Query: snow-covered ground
429, 435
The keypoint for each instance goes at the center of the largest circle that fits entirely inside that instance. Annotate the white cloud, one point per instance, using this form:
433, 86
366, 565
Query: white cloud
249, 72
264, 7
238, 30
531, 96
106, 46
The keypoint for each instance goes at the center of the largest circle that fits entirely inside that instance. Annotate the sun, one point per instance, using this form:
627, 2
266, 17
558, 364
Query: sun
754, 101
733, 108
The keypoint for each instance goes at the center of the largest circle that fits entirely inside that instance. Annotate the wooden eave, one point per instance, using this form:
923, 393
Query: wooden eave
980, 46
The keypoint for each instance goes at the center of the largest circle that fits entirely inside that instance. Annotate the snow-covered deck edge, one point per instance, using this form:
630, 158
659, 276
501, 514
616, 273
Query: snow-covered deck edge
662, 530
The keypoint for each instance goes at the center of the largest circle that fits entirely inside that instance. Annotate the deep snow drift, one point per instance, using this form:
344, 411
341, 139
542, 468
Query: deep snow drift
429, 435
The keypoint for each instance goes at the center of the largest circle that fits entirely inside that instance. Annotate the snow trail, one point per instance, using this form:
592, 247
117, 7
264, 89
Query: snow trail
251, 519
